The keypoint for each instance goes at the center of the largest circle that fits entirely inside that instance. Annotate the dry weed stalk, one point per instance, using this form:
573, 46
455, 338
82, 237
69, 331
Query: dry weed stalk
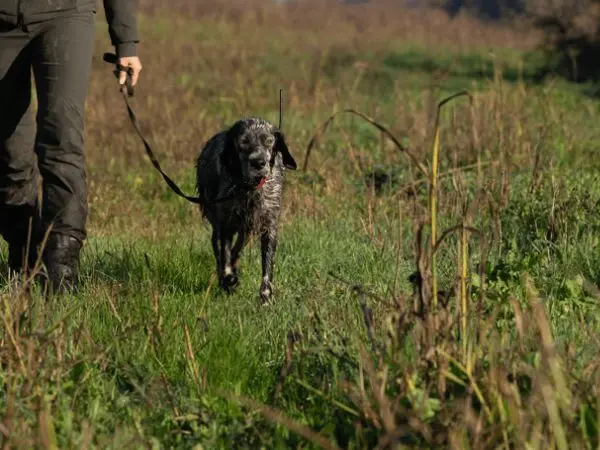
373, 122
433, 188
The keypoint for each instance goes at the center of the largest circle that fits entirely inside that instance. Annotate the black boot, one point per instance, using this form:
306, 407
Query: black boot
61, 258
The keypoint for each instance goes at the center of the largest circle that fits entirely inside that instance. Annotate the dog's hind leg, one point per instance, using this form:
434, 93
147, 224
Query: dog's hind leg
217, 251
240, 243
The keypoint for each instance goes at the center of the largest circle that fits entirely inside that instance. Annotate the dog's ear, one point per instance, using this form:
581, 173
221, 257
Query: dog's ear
281, 146
229, 157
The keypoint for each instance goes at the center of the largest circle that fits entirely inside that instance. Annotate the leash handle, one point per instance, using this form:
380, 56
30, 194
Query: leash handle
111, 58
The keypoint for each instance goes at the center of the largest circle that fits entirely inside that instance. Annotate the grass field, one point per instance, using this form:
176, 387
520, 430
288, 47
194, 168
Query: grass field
356, 351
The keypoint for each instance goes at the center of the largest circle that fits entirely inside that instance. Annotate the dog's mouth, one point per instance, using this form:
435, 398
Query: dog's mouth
256, 183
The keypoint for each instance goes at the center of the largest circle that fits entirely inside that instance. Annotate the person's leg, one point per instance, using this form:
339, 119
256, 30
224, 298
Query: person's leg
62, 55
18, 181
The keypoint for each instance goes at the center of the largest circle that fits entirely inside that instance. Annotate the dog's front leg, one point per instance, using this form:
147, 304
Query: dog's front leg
228, 279
268, 243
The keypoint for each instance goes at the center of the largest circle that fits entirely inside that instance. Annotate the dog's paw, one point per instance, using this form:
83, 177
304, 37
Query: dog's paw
229, 282
266, 293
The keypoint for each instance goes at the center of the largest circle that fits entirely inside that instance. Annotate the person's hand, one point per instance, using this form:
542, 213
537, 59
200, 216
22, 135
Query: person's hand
136, 66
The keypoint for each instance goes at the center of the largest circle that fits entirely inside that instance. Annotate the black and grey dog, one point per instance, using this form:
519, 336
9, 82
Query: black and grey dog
240, 177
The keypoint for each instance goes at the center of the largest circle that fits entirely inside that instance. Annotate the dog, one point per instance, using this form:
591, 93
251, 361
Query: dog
240, 179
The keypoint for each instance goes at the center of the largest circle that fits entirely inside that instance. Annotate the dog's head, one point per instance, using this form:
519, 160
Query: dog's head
251, 148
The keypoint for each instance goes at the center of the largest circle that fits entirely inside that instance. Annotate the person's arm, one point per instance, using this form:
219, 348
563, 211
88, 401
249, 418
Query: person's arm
122, 26
123, 32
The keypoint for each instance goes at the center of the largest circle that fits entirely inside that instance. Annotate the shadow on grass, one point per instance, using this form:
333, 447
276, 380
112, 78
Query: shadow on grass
135, 266
131, 267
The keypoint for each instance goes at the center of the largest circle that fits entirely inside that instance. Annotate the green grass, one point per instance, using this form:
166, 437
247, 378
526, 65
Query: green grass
147, 355
238, 345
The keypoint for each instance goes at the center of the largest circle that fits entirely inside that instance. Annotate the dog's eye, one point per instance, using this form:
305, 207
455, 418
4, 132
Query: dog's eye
244, 144
269, 140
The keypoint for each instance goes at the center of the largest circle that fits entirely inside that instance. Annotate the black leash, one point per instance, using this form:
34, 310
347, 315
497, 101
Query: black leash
127, 91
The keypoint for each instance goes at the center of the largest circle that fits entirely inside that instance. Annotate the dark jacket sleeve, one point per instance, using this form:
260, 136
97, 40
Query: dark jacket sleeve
122, 26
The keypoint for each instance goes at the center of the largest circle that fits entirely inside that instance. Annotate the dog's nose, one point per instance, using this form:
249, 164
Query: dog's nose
258, 163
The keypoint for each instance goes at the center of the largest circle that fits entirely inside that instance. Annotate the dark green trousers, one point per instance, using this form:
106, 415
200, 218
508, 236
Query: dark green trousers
59, 53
